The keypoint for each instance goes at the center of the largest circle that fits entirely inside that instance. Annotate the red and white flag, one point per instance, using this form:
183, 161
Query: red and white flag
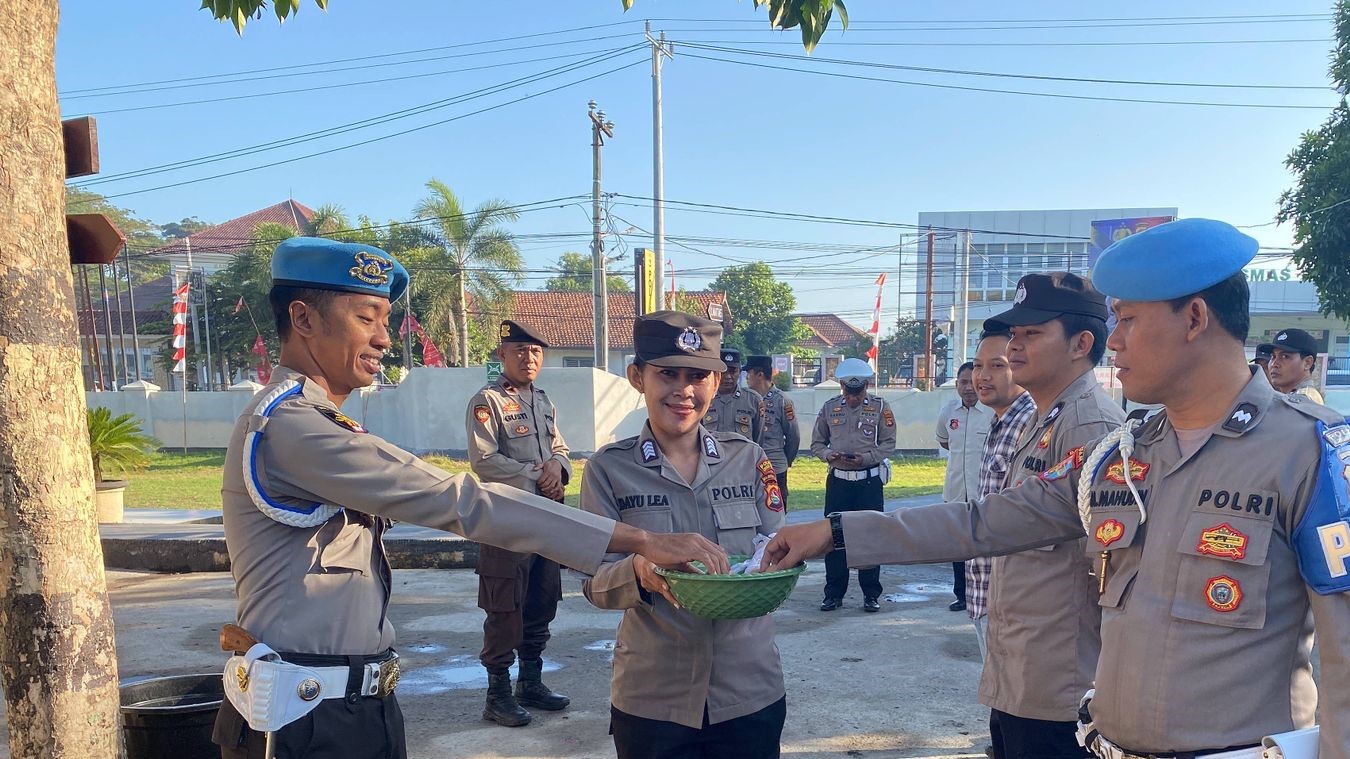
238, 306
264, 363
180, 307
875, 331
431, 356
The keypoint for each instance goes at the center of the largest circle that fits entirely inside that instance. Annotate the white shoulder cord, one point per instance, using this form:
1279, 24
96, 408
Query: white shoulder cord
1121, 439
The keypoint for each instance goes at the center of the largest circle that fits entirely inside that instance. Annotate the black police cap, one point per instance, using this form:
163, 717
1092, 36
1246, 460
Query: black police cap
515, 332
678, 340
762, 363
1296, 341
1042, 297
731, 357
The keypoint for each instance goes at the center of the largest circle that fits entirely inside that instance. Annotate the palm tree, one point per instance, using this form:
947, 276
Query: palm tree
476, 250
328, 219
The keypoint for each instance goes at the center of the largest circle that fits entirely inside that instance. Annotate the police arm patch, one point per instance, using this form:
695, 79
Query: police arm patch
773, 496
1070, 462
1322, 537
789, 410
482, 414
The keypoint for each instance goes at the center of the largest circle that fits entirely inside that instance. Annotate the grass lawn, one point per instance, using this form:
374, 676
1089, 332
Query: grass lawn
192, 481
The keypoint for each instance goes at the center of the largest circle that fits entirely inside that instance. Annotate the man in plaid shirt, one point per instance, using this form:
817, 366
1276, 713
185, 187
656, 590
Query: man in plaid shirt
1014, 411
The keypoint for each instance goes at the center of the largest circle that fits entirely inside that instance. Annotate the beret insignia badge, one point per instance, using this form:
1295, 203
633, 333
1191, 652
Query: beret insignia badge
371, 269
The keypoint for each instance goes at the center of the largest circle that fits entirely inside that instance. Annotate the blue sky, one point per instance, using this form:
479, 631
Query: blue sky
735, 135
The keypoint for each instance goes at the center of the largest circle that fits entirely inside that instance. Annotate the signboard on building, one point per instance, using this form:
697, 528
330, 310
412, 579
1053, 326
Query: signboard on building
647, 285
1107, 231
494, 371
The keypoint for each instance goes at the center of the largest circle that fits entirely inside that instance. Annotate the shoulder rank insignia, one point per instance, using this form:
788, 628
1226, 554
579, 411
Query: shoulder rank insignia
1109, 532
1053, 414
342, 420
1073, 460
482, 414
1223, 593
648, 451
710, 447
1241, 418
1044, 442
1116, 471
1223, 541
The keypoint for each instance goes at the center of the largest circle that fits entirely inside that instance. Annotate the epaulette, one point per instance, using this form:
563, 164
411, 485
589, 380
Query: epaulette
1310, 409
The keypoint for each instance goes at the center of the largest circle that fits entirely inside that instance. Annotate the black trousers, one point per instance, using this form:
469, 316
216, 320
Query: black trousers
352, 727
959, 580
754, 736
845, 495
1023, 738
782, 485
519, 611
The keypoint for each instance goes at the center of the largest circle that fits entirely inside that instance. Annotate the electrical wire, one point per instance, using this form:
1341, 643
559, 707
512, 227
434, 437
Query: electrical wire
1063, 96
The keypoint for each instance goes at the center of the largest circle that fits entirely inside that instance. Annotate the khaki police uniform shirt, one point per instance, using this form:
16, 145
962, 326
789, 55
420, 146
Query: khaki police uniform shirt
964, 430
1308, 389
868, 430
1043, 634
510, 432
781, 438
325, 589
668, 663
1206, 635
740, 411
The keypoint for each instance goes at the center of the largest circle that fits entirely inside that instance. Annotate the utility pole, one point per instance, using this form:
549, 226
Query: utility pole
131, 296
600, 129
659, 48
928, 316
206, 312
964, 323
107, 327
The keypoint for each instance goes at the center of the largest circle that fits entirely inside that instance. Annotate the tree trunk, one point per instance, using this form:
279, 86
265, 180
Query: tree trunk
462, 319
57, 659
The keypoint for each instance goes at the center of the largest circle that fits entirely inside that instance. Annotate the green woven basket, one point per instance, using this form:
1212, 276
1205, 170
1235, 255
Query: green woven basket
732, 596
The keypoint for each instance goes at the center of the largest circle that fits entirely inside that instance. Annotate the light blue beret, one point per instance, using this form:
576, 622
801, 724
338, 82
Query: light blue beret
1172, 260
347, 267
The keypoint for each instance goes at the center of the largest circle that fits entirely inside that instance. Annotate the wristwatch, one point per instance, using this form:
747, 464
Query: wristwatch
836, 529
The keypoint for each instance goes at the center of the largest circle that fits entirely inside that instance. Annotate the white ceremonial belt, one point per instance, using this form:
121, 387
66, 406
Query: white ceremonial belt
854, 476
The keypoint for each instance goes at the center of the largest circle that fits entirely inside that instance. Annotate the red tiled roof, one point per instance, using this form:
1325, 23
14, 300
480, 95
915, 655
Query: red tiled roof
567, 319
829, 331
234, 235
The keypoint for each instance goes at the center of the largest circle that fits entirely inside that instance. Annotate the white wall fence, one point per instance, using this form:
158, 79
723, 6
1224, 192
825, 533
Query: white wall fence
427, 411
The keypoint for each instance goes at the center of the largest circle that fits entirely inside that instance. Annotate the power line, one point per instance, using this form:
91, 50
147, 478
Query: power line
1100, 98
997, 74
361, 124
1042, 27
275, 69
863, 22
340, 85
832, 43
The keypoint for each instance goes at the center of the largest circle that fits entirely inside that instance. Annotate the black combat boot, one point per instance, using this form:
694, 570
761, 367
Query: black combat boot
501, 705
531, 691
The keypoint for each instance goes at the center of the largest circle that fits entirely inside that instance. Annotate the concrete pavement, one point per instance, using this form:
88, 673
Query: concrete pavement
900, 683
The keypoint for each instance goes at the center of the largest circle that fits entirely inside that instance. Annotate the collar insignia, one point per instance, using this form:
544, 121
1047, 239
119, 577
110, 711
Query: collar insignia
648, 451
1054, 413
710, 447
342, 420
1241, 418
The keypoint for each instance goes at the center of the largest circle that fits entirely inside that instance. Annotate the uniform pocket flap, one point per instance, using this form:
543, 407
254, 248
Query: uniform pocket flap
1117, 585
1229, 537
1112, 529
736, 514
349, 551
649, 518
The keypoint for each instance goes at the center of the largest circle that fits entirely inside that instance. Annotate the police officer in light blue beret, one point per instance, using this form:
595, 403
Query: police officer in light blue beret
1215, 527
308, 495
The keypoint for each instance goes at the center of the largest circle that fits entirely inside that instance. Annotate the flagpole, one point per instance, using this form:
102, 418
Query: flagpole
182, 375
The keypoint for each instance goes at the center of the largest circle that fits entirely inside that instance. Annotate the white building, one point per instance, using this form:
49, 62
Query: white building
1005, 245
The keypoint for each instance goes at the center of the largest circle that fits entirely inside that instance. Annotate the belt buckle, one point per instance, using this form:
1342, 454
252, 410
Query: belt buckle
388, 675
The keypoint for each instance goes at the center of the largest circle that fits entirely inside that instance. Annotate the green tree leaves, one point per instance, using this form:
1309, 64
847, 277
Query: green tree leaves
762, 307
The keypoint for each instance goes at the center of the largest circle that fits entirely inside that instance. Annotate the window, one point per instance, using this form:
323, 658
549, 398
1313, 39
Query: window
579, 362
